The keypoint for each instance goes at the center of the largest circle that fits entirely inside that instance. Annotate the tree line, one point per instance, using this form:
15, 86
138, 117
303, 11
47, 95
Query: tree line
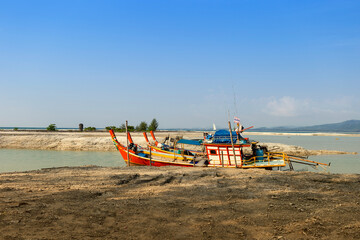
142, 127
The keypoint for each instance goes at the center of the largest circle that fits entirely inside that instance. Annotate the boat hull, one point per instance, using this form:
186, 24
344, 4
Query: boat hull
145, 161
135, 159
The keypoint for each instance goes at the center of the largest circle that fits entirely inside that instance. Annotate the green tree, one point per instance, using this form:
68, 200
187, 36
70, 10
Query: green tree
153, 125
142, 127
90, 129
123, 127
51, 127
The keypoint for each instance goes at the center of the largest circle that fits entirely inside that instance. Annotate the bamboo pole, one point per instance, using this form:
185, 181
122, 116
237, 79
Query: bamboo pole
238, 132
305, 160
174, 151
232, 144
150, 156
222, 158
127, 143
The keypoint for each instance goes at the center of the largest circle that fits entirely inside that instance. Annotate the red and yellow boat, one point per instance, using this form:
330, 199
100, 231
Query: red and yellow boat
140, 156
218, 153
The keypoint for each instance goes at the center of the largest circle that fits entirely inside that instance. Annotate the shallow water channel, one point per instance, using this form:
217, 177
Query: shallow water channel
22, 160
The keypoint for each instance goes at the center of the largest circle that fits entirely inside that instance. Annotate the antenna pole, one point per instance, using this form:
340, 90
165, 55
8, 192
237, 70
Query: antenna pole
127, 143
232, 144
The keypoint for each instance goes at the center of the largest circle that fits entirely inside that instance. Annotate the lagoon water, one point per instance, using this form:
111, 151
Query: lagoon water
23, 160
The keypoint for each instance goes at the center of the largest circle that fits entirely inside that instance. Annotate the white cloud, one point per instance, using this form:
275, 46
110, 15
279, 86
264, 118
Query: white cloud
287, 110
285, 106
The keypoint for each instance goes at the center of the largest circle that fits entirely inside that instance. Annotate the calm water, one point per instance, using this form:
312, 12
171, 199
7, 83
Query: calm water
22, 160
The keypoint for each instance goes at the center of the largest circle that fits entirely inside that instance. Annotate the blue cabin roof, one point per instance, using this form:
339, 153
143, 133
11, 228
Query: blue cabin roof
190, 142
223, 136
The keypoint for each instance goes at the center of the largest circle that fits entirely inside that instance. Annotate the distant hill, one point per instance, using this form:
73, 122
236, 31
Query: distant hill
350, 126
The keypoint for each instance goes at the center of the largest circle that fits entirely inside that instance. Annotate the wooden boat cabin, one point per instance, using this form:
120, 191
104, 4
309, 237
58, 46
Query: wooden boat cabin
240, 152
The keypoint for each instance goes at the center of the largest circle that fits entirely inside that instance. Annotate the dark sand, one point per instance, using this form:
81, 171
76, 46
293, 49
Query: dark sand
178, 203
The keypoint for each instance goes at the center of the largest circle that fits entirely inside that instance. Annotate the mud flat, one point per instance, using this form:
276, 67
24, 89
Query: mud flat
178, 203
101, 141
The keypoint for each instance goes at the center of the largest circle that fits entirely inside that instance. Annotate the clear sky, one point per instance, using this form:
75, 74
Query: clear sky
187, 63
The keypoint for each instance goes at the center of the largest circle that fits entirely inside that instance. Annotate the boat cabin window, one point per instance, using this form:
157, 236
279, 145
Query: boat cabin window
212, 151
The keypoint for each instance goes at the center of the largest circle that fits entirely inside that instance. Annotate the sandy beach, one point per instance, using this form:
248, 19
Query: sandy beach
178, 203
101, 141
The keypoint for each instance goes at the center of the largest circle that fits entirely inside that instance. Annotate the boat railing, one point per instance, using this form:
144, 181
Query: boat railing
280, 158
269, 157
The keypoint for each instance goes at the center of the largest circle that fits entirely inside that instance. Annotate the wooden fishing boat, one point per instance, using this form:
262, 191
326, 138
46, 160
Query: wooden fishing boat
140, 156
219, 153
226, 149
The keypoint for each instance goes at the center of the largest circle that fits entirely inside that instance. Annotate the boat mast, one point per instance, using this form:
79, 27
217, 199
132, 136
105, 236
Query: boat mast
127, 142
232, 144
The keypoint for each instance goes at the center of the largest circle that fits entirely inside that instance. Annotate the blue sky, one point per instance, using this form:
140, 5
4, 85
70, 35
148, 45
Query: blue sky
185, 63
